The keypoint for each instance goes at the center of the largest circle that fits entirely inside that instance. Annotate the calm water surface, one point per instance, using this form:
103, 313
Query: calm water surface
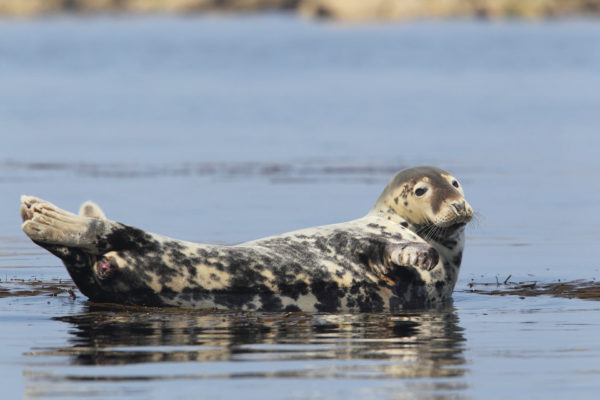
223, 130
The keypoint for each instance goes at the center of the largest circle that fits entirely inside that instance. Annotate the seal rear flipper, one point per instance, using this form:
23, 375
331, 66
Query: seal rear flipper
46, 223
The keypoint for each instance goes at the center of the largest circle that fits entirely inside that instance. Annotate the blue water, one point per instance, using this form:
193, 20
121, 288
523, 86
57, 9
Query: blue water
225, 129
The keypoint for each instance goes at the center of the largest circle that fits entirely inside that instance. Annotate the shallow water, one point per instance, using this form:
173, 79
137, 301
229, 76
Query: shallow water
223, 130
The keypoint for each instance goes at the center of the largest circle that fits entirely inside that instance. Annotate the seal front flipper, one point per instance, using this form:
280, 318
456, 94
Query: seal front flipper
414, 254
388, 261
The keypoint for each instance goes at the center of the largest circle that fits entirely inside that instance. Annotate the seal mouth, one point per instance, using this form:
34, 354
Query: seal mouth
455, 226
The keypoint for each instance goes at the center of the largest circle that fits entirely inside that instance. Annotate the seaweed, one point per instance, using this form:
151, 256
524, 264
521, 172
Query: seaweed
581, 288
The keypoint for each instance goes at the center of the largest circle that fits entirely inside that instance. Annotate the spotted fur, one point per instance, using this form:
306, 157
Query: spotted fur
406, 252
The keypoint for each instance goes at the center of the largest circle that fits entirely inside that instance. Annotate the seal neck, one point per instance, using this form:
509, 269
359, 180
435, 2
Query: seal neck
391, 216
446, 237
449, 237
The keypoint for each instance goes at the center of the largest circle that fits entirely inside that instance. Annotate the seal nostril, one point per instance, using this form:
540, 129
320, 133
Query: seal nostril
460, 207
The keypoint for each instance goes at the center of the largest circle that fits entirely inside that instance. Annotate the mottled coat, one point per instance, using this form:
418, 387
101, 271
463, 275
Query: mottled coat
391, 259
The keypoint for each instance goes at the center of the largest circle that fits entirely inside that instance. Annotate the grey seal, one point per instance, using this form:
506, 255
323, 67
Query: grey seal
405, 253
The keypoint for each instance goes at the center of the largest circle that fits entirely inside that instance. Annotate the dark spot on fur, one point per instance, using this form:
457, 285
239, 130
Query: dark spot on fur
327, 292
219, 266
287, 282
364, 296
321, 244
234, 298
439, 285
194, 293
78, 264
405, 278
340, 241
126, 238
178, 258
270, 301
294, 289
457, 259
371, 254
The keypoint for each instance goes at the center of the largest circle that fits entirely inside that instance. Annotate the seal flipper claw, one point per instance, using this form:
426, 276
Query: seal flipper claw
415, 254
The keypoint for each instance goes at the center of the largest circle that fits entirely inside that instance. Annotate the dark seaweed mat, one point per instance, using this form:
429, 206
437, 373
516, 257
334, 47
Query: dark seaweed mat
17, 287
582, 289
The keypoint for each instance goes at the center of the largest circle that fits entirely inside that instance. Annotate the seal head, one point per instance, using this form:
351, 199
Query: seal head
428, 198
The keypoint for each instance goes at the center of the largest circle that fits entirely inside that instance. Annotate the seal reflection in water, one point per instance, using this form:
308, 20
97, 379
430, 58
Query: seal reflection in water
406, 252
410, 344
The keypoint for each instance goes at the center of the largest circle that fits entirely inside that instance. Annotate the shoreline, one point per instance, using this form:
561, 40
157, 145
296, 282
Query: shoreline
342, 10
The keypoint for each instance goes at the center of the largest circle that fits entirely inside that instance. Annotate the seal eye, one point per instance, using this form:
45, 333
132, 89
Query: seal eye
420, 191
455, 183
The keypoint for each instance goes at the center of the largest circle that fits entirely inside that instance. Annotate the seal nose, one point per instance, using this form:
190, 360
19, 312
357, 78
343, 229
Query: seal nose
459, 207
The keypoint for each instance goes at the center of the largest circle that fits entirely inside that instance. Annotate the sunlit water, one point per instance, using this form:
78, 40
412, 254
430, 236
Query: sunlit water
228, 129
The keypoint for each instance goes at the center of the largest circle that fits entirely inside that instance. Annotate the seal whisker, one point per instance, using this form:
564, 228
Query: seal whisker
477, 221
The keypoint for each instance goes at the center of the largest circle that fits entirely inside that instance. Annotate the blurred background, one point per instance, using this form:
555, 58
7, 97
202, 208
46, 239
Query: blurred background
335, 9
224, 121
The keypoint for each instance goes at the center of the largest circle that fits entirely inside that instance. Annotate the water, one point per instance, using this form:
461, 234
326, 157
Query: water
226, 129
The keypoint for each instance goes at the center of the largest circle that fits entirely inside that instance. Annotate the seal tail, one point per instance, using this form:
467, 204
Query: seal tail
91, 210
